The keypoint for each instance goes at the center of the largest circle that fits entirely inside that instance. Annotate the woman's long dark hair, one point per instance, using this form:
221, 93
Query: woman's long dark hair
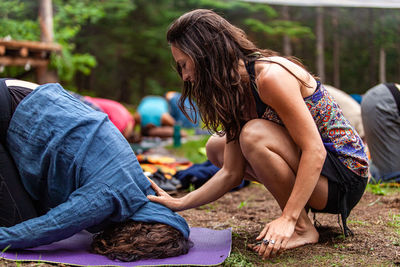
131, 241
223, 98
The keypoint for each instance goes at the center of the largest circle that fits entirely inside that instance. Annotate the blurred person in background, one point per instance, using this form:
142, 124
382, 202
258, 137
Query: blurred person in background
380, 109
154, 118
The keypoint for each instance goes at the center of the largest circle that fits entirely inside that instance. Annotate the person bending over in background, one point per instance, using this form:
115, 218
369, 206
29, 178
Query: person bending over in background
275, 123
117, 113
64, 168
173, 98
153, 116
380, 110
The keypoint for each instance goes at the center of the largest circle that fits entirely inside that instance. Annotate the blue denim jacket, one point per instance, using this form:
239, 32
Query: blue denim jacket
77, 165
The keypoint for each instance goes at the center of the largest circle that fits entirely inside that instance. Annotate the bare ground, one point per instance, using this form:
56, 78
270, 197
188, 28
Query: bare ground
374, 221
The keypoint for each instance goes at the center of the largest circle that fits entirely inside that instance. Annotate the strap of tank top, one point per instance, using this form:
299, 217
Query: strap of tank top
260, 106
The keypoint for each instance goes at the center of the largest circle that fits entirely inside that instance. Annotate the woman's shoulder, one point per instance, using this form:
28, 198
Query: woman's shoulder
275, 69
279, 65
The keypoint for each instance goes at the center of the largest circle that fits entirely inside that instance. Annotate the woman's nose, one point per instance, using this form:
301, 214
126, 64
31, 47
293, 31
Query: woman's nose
185, 76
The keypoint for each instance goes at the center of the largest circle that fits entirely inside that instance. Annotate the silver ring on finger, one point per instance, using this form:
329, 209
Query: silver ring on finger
272, 241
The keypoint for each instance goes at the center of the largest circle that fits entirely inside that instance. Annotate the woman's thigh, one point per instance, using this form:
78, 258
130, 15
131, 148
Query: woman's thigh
215, 153
260, 135
215, 150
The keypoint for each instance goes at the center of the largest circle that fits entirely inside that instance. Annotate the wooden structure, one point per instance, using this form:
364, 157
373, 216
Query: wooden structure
30, 54
26, 53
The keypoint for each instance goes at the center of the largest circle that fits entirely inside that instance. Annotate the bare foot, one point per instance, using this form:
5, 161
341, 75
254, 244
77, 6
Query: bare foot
302, 236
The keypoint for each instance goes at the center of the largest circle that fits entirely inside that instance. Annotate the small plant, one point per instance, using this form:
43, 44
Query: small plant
357, 222
377, 189
234, 234
208, 207
5, 249
242, 204
238, 259
339, 246
191, 188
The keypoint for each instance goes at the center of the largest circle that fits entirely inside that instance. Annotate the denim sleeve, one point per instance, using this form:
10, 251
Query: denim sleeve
87, 206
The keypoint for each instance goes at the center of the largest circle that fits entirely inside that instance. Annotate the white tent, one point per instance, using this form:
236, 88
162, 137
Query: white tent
334, 3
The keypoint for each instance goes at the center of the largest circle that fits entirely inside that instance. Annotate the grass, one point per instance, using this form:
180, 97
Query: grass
238, 259
383, 189
191, 150
395, 224
242, 204
208, 207
357, 222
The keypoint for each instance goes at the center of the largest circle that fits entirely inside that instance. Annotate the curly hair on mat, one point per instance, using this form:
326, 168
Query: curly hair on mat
132, 241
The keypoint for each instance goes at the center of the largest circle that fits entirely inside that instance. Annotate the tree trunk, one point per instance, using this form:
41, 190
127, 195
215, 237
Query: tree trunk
320, 43
336, 48
382, 65
372, 66
47, 36
46, 21
287, 47
124, 92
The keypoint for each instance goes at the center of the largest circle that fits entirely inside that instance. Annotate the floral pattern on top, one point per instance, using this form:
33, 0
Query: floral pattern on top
337, 134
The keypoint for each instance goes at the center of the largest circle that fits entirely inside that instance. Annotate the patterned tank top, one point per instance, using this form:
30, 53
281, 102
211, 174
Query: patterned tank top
338, 136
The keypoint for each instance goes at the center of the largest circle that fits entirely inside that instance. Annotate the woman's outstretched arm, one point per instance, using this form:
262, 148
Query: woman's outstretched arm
227, 178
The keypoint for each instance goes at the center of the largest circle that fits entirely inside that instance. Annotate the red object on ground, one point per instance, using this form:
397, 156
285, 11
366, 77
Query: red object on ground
117, 113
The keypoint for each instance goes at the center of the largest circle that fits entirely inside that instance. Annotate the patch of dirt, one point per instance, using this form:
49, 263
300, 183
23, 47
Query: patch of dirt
375, 241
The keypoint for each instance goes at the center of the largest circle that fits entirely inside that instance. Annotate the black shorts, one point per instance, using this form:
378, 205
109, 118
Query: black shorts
345, 188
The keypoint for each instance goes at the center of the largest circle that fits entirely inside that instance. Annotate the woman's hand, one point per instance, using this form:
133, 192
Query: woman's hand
164, 198
274, 237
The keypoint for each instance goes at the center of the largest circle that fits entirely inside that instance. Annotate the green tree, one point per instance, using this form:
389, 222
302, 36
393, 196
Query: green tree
19, 21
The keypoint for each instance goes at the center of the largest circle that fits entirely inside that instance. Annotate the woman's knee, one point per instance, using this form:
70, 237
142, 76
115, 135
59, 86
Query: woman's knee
264, 136
215, 150
252, 134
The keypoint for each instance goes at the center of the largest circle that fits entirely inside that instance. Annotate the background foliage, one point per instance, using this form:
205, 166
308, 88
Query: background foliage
117, 48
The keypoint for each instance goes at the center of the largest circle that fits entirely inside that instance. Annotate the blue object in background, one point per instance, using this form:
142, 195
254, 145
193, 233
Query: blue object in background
151, 108
178, 115
198, 174
357, 97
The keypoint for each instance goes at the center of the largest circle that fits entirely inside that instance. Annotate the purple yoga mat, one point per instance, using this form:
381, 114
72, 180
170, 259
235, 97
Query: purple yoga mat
211, 247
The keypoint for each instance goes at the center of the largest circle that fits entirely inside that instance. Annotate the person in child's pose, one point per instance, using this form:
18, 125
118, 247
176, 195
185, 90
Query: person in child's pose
154, 118
380, 110
275, 124
65, 167
173, 98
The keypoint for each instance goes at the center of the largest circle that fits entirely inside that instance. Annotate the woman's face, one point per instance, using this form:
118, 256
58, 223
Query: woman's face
185, 63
